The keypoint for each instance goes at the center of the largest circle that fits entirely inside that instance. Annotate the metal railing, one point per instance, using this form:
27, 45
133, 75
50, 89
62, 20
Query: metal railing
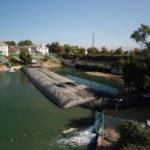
107, 126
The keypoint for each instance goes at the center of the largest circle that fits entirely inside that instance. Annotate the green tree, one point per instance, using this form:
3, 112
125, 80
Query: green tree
25, 43
141, 35
104, 50
92, 51
136, 73
75, 49
136, 51
10, 43
60, 50
82, 51
67, 49
53, 47
119, 51
25, 56
126, 52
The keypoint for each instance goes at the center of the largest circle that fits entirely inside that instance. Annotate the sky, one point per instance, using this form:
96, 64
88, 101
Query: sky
74, 21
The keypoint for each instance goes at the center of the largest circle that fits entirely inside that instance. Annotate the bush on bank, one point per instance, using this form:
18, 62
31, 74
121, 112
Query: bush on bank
136, 73
107, 57
133, 137
25, 56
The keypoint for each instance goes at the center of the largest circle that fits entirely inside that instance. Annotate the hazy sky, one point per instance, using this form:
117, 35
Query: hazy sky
73, 21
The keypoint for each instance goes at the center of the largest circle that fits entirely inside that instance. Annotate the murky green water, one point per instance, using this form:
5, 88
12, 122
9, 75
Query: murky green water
28, 120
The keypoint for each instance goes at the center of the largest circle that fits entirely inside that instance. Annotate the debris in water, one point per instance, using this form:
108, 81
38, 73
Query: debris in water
69, 130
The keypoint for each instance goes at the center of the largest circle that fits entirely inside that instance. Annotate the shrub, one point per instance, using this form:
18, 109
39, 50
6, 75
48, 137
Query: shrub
46, 58
133, 147
137, 73
133, 137
25, 56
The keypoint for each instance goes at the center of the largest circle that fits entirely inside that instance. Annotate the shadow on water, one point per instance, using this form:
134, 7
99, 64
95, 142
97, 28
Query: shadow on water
81, 122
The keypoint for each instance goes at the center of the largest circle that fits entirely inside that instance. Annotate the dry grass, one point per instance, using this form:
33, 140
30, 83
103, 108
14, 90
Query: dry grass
106, 75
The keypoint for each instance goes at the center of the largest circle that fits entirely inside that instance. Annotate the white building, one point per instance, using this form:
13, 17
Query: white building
42, 49
3, 49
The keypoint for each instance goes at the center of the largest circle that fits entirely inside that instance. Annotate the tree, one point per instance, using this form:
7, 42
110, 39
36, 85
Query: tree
141, 35
92, 51
126, 52
67, 49
136, 74
119, 51
25, 56
53, 47
60, 50
136, 51
25, 43
82, 51
104, 50
10, 43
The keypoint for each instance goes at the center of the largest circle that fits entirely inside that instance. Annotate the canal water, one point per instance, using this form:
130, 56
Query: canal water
104, 84
29, 121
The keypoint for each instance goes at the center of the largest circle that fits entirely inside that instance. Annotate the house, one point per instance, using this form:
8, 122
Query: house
3, 49
40, 49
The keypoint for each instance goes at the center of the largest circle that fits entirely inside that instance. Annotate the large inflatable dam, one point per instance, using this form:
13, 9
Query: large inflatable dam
62, 91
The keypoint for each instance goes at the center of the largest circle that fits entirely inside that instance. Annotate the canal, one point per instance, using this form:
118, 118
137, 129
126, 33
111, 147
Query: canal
29, 121
104, 84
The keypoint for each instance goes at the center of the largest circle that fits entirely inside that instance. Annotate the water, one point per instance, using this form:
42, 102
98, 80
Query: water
79, 76
79, 138
29, 121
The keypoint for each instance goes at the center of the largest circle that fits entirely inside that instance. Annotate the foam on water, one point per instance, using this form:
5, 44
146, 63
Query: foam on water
79, 138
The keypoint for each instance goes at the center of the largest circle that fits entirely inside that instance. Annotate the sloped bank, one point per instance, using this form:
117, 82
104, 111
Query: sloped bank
62, 91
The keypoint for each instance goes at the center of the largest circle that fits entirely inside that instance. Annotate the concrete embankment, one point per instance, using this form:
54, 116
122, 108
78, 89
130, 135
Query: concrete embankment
64, 92
94, 66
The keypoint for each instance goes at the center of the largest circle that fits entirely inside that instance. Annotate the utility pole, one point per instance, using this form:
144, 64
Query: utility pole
93, 40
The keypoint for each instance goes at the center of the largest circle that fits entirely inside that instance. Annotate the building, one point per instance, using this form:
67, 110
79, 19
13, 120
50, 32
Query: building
42, 49
3, 49
34, 49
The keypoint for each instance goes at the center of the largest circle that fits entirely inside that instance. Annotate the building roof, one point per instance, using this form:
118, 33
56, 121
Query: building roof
3, 44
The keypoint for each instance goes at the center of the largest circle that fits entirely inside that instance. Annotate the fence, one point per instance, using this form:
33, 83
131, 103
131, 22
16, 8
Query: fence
107, 126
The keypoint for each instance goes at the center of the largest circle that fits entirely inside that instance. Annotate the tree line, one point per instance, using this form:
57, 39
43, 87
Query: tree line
21, 43
140, 36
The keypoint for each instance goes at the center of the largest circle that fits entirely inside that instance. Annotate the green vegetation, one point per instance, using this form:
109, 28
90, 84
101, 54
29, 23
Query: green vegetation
136, 73
92, 51
46, 58
25, 43
25, 56
133, 137
141, 36
10, 43
15, 61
